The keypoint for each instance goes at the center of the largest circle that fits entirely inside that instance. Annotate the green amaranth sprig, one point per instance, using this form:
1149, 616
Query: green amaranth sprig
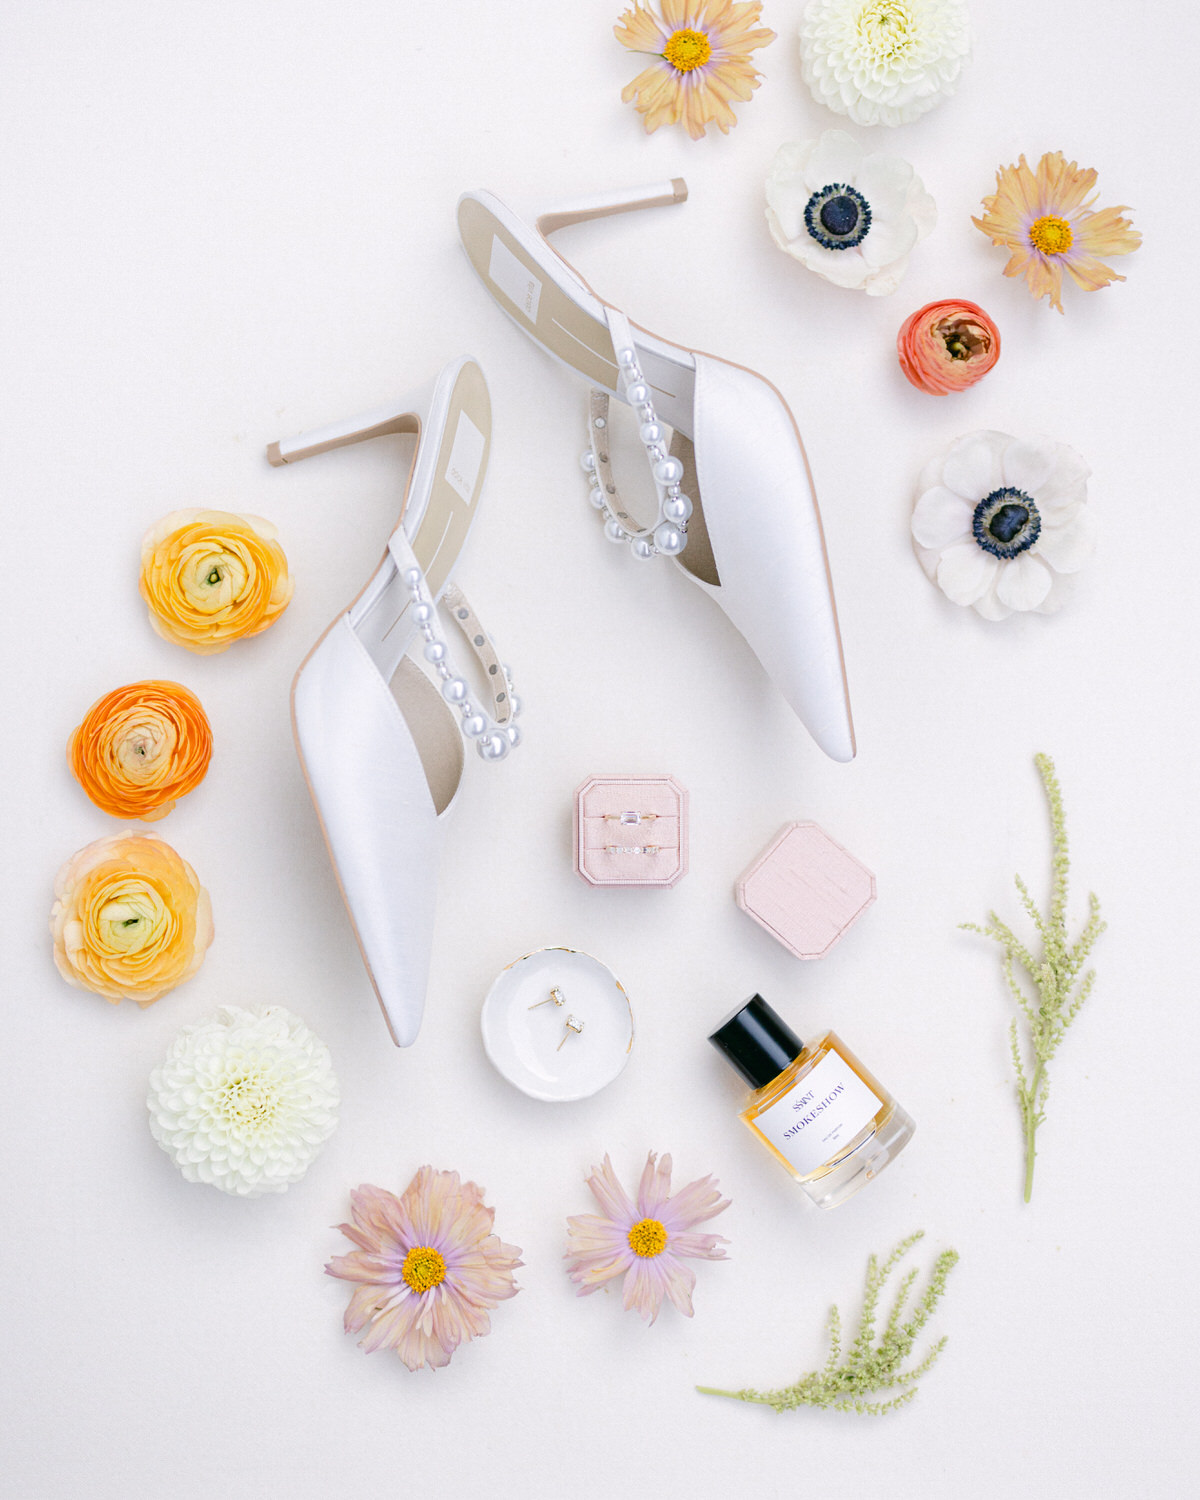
868, 1367
1055, 976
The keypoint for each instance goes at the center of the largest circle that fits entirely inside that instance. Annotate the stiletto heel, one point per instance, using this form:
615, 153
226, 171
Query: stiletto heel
378, 742
736, 507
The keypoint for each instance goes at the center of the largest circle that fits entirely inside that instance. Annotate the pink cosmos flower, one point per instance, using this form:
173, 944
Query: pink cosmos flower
644, 1244
428, 1267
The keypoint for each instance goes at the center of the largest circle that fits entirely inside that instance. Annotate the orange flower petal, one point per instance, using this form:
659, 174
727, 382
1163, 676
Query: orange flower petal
140, 748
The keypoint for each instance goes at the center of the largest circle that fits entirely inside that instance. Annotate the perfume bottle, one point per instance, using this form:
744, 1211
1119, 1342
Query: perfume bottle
830, 1122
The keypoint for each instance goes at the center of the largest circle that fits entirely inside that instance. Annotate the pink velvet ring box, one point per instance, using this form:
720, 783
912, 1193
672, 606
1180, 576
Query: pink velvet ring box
631, 830
806, 890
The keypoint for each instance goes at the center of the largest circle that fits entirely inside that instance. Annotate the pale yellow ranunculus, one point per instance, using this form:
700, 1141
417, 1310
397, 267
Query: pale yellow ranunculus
130, 919
211, 577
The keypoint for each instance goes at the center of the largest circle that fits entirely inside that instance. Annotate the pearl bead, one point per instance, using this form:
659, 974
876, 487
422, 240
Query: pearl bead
474, 726
596, 497
613, 530
513, 734
435, 652
422, 613
638, 393
494, 746
668, 471
650, 432
454, 690
516, 705
641, 548
444, 672
678, 508
646, 411
587, 460
411, 578
626, 357
669, 539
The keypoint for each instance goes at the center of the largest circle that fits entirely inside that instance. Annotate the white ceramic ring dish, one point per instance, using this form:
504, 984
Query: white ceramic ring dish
523, 1043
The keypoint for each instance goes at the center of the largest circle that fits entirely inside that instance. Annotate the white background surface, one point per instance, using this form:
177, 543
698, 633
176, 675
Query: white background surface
229, 222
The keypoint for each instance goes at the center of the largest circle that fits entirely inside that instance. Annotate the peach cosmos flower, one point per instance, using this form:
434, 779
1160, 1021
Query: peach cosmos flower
211, 577
644, 1243
428, 1268
140, 748
701, 51
947, 346
1046, 220
130, 920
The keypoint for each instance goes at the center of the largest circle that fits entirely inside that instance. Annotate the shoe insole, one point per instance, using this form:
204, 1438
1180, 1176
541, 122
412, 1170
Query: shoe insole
453, 475
523, 281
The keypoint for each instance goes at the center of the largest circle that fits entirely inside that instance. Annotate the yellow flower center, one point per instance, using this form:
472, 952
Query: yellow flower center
887, 30
1050, 234
647, 1237
423, 1268
687, 49
248, 1099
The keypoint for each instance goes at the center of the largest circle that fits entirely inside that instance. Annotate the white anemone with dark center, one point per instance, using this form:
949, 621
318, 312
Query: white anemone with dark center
1001, 523
853, 217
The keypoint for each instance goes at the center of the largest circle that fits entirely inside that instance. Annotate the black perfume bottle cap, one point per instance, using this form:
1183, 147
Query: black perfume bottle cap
758, 1042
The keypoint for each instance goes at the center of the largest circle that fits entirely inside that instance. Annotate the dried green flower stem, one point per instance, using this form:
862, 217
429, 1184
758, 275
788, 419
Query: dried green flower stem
1055, 976
868, 1367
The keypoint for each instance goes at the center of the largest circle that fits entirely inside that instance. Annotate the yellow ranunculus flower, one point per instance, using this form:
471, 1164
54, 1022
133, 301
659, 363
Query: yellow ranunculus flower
130, 920
211, 577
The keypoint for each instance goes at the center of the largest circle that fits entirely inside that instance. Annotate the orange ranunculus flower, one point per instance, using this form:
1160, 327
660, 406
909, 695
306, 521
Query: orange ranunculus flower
947, 346
130, 919
140, 748
211, 577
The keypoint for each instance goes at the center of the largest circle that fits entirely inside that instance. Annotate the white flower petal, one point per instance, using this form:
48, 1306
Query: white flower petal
1028, 464
973, 467
1067, 548
836, 157
941, 517
1059, 506
966, 572
1069, 477
989, 607
884, 181
1024, 582
889, 240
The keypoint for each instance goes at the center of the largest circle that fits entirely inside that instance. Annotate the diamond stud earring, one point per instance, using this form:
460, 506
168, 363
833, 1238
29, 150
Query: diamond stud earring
573, 1024
555, 997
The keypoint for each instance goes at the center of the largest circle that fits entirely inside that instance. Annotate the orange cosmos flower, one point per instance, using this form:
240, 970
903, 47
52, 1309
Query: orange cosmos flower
211, 577
1046, 220
130, 919
140, 748
701, 51
947, 346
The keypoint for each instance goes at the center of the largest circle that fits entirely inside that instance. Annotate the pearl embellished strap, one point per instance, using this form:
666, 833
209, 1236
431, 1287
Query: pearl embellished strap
669, 533
494, 736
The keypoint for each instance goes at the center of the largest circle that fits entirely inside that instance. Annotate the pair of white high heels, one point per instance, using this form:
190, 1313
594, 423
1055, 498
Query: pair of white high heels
381, 740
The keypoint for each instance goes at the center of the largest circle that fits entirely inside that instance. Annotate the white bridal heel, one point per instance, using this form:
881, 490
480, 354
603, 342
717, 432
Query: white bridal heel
381, 747
736, 507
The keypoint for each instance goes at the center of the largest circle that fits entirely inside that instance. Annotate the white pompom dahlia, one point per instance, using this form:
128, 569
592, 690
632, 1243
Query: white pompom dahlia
245, 1100
883, 62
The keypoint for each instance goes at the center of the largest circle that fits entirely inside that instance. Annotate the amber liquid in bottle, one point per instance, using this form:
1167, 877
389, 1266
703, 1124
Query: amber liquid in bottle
843, 1150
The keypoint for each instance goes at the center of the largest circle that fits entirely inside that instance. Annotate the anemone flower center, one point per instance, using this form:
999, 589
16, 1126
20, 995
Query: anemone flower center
838, 216
687, 50
1051, 235
1006, 523
423, 1268
887, 30
647, 1237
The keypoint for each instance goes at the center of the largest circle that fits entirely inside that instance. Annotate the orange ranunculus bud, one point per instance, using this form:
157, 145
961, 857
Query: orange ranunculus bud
140, 748
211, 577
947, 346
130, 919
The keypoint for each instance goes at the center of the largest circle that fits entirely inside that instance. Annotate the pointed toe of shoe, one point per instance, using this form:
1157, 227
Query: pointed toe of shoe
377, 815
762, 518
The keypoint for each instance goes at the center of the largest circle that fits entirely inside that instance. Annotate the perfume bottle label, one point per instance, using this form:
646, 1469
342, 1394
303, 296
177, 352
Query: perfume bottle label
522, 289
820, 1115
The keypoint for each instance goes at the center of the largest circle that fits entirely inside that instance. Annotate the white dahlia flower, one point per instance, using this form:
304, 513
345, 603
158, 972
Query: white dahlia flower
851, 217
245, 1100
1000, 523
883, 62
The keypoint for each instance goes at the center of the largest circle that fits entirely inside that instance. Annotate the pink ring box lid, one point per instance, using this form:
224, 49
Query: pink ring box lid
805, 889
